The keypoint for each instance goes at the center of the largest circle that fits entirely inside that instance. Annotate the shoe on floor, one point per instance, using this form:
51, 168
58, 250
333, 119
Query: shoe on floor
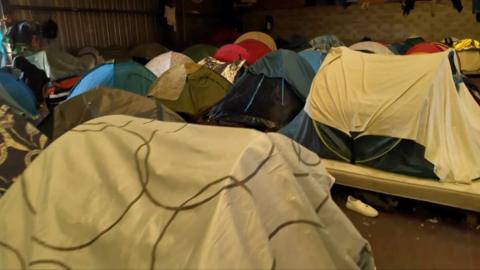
360, 207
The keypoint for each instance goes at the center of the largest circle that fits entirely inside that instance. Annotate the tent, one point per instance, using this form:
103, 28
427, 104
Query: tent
20, 143
106, 101
371, 99
57, 64
325, 43
427, 47
200, 51
164, 62
17, 96
126, 75
268, 95
147, 51
468, 51
371, 47
90, 57
230, 71
259, 36
231, 53
190, 89
147, 194
314, 58
256, 50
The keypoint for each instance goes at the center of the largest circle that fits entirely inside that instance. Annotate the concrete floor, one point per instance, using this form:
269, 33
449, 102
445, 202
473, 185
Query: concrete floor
404, 238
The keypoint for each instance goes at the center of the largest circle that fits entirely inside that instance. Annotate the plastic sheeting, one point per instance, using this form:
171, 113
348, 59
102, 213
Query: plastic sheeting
57, 64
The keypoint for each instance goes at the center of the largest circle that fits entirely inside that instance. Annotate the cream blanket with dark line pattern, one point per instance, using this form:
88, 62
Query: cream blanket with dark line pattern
128, 193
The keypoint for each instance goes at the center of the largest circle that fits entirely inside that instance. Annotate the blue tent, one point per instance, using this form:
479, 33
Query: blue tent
17, 95
268, 95
314, 58
126, 75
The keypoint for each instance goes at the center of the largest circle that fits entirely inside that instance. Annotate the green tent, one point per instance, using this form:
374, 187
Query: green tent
57, 64
147, 50
200, 51
190, 88
104, 101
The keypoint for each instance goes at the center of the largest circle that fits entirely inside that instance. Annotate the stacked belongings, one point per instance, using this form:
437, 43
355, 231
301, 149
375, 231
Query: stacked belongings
146, 52
126, 75
200, 51
468, 51
147, 201
18, 96
371, 47
58, 91
324, 43
268, 95
189, 89
20, 143
57, 64
104, 101
166, 61
394, 114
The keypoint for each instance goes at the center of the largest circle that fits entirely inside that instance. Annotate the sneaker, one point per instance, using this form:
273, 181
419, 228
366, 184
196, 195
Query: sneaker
360, 207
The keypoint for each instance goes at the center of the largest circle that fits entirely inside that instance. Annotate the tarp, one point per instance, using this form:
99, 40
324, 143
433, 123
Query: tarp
256, 50
164, 62
314, 58
189, 88
427, 47
106, 101
262, 37
146, 194
230, 71
325, 43
372, 47
147, 51
20, 143
400, 98
17, 96
57, 64
200, 51
126, 75
289, 66
231, 53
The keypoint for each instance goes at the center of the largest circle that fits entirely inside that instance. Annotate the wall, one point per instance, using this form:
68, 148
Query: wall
380, 21
94, 28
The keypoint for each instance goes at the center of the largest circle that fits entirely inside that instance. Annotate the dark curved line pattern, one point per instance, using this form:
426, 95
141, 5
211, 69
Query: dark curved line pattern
179, 129
293, 222
52, 262
182, 206
299, 155
101, 129
29, 204
129, 206
322, 203
301, 174
16, 252
150, 121
274, 264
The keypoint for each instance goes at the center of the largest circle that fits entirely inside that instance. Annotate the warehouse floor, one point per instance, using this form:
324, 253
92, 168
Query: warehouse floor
417, 235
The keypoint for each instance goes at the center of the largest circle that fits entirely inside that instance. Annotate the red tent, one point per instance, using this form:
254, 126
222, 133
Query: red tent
427, 47
230, 53
256, 49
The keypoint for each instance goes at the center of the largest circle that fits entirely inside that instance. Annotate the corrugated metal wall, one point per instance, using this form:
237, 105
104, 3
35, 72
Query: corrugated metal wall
96, 28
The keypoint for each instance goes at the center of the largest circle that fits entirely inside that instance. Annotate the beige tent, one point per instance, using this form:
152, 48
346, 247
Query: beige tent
165, 61
145, 194
412, 97
90, 57
371, 46
264, 38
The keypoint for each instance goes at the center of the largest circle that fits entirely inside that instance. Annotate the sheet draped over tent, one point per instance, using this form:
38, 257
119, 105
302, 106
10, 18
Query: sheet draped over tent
412, 97
241, 200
